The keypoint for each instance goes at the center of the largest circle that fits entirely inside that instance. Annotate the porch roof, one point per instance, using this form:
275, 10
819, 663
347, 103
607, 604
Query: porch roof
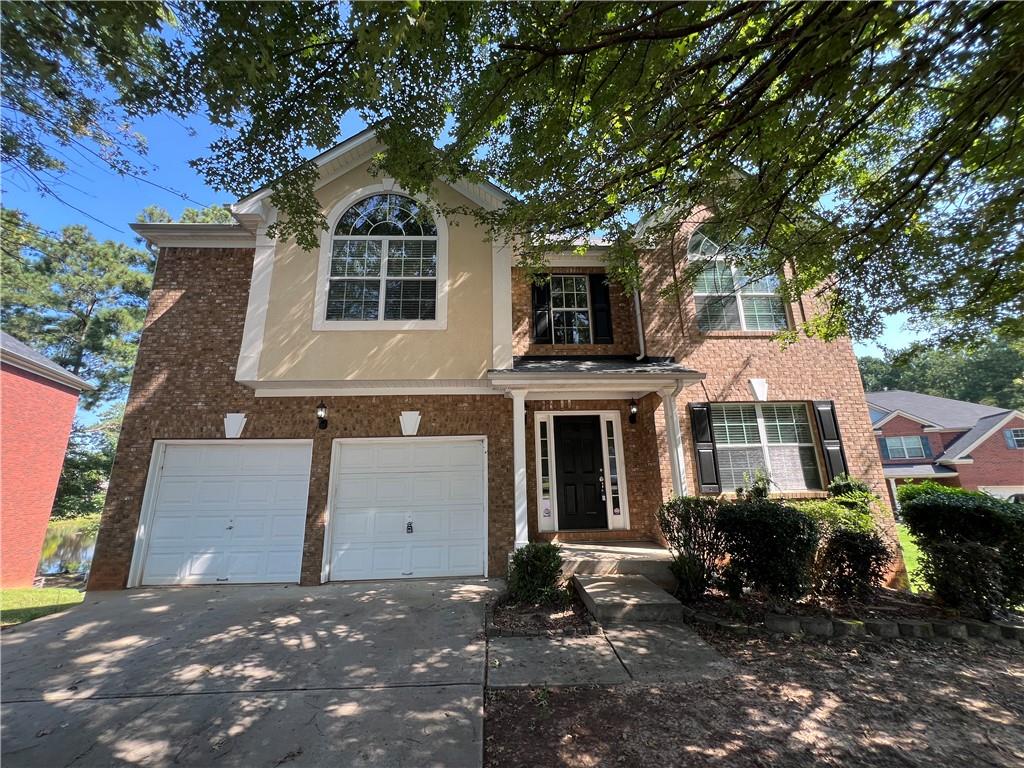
613, 376
917, 470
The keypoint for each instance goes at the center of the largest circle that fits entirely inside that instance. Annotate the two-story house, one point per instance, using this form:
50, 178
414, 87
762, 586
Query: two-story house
968, 445
404, 402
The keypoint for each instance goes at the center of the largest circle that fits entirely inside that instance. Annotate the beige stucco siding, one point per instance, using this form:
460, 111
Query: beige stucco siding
293, 351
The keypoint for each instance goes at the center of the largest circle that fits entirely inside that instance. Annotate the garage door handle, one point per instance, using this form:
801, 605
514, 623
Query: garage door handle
408, 527
227, 579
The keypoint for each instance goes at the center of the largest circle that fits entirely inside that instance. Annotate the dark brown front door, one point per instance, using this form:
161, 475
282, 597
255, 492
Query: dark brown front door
579, 473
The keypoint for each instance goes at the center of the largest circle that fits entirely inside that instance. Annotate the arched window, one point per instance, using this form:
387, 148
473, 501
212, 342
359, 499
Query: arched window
726, 298
383, 267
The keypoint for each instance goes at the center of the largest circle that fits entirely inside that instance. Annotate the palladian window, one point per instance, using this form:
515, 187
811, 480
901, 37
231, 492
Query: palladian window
383, 262
727, 299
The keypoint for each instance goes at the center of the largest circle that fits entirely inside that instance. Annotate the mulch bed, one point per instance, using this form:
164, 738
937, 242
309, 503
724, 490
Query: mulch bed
885, 604
508, 618
792, 703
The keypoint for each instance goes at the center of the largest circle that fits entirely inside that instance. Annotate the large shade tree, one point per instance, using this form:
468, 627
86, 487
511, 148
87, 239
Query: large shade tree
872, 148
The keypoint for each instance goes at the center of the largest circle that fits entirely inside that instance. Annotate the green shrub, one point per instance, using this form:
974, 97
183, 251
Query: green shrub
832, 513
757, 489
771, 545
850, 563
689, 525
535, 574
907, 492
951, 528
844, 485
965, 574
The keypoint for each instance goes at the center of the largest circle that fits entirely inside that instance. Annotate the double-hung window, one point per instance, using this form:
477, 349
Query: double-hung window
1015, 438
774, 439
911, 447
383, 263
570, 309
727, 299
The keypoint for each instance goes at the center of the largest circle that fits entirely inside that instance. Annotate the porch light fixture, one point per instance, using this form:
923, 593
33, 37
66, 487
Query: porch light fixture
634, 409
321, 415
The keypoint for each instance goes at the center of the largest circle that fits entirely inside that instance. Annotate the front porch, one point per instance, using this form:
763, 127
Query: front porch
597, 448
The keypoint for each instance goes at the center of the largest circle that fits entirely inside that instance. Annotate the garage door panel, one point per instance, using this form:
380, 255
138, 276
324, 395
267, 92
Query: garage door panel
435, 485
245, 525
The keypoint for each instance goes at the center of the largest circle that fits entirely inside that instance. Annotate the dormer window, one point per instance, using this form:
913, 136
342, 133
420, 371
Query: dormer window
727, 299
383, 267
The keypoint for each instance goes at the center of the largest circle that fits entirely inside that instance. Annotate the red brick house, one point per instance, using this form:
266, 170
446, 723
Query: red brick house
37, 408
978, 447
403, 402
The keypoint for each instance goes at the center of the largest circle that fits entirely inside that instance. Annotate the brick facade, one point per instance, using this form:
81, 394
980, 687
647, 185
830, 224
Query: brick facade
35, 419
808, 370
624, 336
994, 464
184, 384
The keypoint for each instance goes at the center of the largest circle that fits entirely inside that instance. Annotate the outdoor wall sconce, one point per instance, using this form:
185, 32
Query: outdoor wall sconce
321, 415
634, 409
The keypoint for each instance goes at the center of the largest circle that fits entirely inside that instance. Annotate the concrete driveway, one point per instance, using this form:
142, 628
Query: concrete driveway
365, 674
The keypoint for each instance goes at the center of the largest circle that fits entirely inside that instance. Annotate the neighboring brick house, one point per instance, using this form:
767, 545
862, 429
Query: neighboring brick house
37, 408
979, 447
404, 402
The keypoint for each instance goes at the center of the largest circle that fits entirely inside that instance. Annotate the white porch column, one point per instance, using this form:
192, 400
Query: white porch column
519, 464
675, 441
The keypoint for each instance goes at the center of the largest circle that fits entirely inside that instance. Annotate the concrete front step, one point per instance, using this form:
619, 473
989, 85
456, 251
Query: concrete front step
626, 598
636, 558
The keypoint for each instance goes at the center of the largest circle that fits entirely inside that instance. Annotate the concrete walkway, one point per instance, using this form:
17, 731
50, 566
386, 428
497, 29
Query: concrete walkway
640, 653
368, 674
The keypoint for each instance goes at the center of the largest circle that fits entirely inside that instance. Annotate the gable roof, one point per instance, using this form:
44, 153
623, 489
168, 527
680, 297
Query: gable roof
981, 431
938, 411
20, 355
359, 148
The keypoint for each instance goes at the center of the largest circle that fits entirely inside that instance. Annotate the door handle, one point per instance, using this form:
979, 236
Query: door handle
408, 527
600, 479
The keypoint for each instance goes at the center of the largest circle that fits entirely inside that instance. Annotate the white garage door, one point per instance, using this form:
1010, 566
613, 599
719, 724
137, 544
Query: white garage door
228, 512
408, 508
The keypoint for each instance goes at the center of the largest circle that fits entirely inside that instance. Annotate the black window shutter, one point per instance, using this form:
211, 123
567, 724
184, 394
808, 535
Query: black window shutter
926, 444
601, 309
704, 444
542, 313
883, 448
831, 441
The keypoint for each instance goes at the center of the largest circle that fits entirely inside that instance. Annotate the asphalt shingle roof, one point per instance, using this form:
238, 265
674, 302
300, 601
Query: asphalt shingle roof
13, 351
940, 411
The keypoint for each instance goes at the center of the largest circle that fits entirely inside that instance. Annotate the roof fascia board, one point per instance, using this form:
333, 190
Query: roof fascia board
66, 378
1010, 415
196, 235
904, 414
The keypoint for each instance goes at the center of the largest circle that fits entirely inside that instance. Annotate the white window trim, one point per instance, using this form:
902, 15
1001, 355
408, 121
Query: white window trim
1017, 435
764, 445
589, 309
903, 446
323, 272
615, 522
739, 295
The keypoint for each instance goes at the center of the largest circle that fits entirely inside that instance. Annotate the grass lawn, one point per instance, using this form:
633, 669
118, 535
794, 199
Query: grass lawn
21, 605
911, 555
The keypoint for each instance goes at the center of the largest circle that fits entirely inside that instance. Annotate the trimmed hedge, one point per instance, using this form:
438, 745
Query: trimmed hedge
833, 513
851, 563
689, 524
535, 575
771, 546
907, 492
844, 485
972, 548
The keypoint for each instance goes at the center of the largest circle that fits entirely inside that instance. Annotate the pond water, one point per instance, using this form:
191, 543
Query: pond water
68, 546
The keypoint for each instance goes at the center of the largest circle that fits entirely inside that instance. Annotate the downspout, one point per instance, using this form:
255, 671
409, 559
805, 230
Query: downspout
639, 325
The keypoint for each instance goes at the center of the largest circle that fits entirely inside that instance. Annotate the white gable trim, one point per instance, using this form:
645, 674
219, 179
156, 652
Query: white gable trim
904, 414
